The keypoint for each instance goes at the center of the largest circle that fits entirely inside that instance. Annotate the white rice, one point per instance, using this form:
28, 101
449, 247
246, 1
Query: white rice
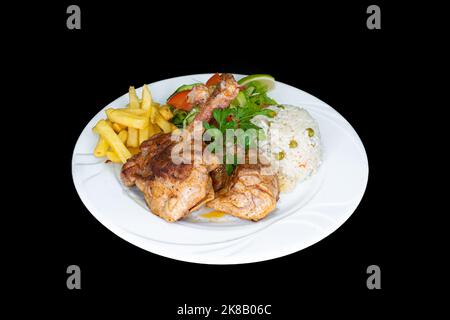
289, 137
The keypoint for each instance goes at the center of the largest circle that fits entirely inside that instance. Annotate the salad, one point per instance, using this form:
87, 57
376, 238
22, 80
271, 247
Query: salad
251, 101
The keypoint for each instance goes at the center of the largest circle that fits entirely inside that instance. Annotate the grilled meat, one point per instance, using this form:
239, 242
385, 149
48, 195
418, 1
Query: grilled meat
249, 193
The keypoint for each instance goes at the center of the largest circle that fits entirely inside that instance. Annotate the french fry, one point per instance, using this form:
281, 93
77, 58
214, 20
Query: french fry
133, 137
134, 150
123, 135
94, 129
153, 129
163, 123
113, 140
165, 112
101, 148
117, 127
113, 157
133, 105
136, 112
145, 106
153, 111
127, 119
133, 134
146, 98
143, 135
133, 98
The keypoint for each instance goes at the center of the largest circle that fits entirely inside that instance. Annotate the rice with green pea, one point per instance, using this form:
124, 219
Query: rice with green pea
292, 144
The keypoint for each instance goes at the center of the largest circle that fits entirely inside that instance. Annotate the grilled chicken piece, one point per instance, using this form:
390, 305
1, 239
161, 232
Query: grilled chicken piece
138, 165
173, 190
249, 193
177, 190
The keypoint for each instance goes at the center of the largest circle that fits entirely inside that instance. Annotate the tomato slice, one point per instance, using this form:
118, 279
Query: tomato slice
215, 79
180, 101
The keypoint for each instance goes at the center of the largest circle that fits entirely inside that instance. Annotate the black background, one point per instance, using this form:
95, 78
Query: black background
323, 48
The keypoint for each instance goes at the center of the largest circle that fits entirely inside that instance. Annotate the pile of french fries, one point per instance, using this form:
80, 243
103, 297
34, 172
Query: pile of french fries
125, 129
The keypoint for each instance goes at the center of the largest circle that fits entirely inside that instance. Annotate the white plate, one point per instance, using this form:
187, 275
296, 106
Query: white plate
308, 214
